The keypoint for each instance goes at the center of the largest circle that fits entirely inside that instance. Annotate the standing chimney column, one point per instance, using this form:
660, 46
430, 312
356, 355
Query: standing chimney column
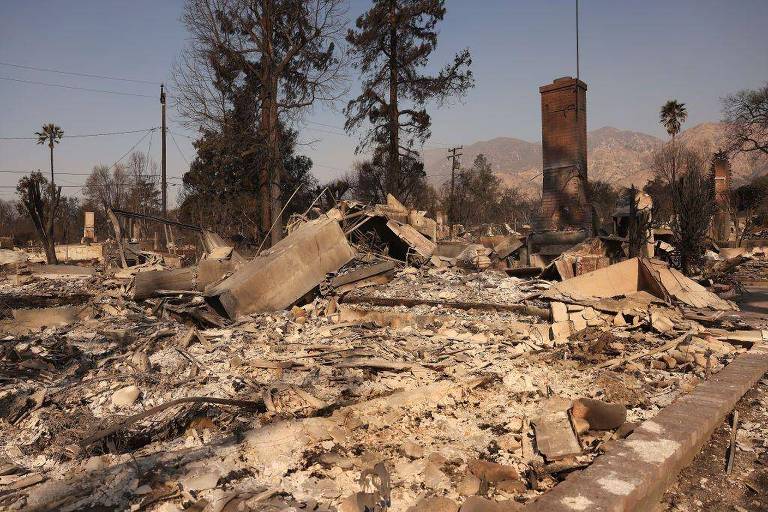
721, 223
564, 150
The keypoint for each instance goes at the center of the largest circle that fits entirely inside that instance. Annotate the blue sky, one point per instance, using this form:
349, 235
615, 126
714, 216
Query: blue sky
634, 56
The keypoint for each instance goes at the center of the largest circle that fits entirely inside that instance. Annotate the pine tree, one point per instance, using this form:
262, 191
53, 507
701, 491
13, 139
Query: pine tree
391, 46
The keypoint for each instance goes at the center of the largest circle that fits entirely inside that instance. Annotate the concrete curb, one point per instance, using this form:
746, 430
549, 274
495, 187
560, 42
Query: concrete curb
635, 473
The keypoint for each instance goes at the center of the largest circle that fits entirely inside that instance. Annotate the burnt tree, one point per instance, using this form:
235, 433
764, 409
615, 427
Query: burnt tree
287, 49
41, 200
391, 45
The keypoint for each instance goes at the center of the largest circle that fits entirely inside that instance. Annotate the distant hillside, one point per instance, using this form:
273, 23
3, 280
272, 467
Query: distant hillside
708, 137
621, 157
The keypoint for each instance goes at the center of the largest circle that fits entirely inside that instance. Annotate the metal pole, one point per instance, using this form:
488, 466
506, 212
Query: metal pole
164, 185
577, 39
452, 204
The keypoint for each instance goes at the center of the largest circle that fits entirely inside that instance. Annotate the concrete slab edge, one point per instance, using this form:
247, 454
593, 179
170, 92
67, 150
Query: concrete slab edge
635, 473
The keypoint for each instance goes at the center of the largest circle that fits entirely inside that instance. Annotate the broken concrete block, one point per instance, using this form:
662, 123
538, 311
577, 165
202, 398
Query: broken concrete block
515, 425
434, 478
670, 361
579, 324
509, 442
559, 312
125, 397
359, 502
600, 415
660, 322
434, 504
619, 320
480, 504
200, 480
561, 330
412, 450
511, 486
555, 438
580, 425
680, 357
700, 360
625, 429
469, 485
540, 333
283, 274
492, 472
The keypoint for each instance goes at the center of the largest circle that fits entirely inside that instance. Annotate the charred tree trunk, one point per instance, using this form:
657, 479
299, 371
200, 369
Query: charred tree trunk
265, 173
34, 203
393, 176
276, 169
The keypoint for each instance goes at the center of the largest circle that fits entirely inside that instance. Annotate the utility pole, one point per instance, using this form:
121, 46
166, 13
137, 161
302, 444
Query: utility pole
162, 158
451, 207
50, 145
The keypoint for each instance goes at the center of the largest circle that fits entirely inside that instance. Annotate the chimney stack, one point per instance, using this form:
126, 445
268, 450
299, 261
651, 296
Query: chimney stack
564, 147
721, 223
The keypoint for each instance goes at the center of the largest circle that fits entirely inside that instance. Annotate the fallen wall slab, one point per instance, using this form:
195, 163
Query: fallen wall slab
635, 473
634, 275
145, 284
279, 277
62, 271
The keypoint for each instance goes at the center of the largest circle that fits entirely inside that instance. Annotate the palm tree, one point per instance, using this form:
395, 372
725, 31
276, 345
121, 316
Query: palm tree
672, 116
51, 134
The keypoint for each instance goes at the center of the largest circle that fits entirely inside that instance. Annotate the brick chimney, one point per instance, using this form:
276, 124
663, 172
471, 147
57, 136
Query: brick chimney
721, 223
564, 145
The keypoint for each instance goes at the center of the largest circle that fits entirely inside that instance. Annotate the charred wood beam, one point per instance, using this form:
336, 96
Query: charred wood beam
397, 301
167, 222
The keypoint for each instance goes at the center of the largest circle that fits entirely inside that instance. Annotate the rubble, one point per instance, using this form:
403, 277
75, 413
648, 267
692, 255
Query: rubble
278, 277
340, 370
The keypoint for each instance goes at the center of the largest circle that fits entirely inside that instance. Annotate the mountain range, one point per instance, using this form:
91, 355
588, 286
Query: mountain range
620, 157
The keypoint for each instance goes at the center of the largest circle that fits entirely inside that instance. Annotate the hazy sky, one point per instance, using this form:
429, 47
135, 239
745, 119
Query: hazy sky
634, 56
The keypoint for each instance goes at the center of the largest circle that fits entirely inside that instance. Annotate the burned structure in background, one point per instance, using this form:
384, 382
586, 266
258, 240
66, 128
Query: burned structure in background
564, 145
721, 174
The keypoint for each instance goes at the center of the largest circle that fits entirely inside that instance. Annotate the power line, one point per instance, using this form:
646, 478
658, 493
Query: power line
326, 125
180, 134
65, 173
436, 145
178, 148
74, 73
83, 135
76, 88
83, 186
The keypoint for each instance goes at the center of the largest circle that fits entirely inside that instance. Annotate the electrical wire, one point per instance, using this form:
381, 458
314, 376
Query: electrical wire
74, 73
178, 148
34, 82
83, 135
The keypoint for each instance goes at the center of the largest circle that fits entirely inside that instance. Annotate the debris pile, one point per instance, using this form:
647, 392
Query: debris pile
359, 363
